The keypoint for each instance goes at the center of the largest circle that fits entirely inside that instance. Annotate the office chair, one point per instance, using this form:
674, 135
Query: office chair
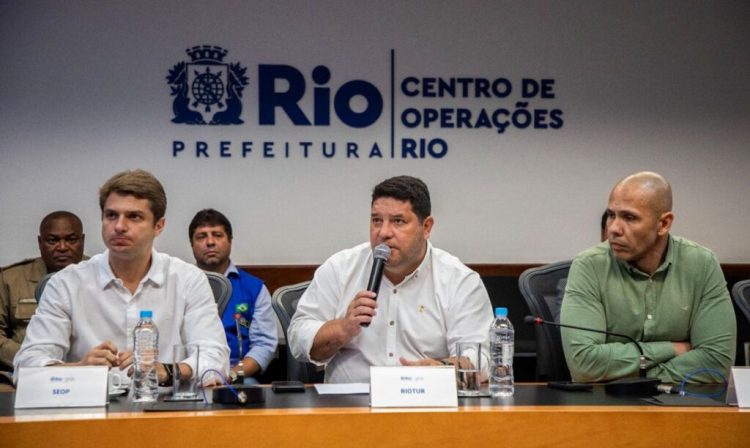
284, 302
539, 287
741, 296
41, 285
222, 289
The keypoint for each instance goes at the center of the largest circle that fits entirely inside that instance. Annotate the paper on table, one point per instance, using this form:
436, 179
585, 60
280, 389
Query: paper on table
343, 389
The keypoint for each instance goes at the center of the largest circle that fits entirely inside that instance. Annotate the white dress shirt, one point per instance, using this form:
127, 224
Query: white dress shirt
85, 305
442, 302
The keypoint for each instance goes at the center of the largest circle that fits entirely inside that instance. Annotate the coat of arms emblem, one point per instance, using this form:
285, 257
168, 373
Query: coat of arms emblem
206, 90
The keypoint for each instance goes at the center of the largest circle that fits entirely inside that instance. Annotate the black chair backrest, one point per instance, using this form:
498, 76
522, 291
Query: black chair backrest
222, 289
284, 302
540, 288
41, 285
741, 296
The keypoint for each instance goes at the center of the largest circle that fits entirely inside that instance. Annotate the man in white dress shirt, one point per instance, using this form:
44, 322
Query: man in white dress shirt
428, 300
88, 311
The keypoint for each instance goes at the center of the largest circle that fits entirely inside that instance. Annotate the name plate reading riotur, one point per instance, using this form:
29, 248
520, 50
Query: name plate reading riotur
413, 387
738, 391
61, 387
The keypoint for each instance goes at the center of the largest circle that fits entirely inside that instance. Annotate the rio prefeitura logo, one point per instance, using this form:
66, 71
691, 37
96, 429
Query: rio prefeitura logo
206, 90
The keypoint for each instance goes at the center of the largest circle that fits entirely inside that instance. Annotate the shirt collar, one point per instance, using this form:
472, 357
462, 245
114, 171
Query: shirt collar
156, 273
426, 262
422, 269
38, 270
668, 260
232, 270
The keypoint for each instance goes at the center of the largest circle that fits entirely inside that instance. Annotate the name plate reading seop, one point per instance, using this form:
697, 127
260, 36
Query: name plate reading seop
61, 387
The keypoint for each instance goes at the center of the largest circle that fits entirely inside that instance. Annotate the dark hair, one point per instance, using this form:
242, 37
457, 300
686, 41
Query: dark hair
209, 217
406, 188
60, 214
605, 215
138, 183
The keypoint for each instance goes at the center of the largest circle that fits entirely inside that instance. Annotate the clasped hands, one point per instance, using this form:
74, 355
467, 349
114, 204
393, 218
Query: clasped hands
107, 354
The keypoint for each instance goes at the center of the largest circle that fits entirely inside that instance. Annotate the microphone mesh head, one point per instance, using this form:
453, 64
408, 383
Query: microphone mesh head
382, 252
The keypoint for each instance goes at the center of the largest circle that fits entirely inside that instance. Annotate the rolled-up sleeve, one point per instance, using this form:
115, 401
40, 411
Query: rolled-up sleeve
317, 306
263, 332
202, 326
469, 314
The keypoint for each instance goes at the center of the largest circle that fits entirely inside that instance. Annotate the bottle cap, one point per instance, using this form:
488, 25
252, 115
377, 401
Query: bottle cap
146, 314
501, 312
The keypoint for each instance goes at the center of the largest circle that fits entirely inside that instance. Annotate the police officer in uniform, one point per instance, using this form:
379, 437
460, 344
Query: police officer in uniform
60, 244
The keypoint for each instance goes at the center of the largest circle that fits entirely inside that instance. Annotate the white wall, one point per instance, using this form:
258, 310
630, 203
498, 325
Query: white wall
642, 85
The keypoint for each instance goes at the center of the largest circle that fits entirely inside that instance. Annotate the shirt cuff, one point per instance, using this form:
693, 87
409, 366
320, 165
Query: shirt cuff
261, 356
310, 330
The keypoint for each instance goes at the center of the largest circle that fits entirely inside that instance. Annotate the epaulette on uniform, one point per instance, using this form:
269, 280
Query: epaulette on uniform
18, 263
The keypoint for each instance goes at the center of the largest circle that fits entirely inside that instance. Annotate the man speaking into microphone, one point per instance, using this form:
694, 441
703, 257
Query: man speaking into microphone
426, 302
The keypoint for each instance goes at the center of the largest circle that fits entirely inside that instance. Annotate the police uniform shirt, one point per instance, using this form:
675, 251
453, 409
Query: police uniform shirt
17, 304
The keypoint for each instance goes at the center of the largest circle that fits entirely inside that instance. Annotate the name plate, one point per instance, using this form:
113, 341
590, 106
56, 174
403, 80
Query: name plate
413, 387
738, 391
61, 387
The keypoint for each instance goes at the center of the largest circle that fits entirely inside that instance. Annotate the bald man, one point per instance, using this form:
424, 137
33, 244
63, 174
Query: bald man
60, 244
664, 291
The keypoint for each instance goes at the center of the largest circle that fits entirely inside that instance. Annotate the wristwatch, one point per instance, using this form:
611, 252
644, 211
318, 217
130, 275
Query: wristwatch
168, 381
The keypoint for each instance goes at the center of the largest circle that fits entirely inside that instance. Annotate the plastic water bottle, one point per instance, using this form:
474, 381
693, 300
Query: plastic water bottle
146, 343
501, 354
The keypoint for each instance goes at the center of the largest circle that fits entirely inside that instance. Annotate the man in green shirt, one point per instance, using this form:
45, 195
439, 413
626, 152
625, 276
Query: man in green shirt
664, 291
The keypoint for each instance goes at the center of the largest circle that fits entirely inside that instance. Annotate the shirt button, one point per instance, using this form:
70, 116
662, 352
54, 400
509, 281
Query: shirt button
390, 355
649, 317
392, 323
395, 291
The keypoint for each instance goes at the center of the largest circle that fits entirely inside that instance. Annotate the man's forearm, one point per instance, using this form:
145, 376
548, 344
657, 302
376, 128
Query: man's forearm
681, 348
250, 366
328, 340
162, 374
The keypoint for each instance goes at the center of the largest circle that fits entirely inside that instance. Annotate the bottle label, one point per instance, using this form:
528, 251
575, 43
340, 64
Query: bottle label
507, 353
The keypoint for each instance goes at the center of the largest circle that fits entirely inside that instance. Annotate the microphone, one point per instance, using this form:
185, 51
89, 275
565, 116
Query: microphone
624, 386
238, 321
380, 255
238, 394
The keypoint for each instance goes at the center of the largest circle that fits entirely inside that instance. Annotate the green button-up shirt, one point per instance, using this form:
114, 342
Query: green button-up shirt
686, 300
